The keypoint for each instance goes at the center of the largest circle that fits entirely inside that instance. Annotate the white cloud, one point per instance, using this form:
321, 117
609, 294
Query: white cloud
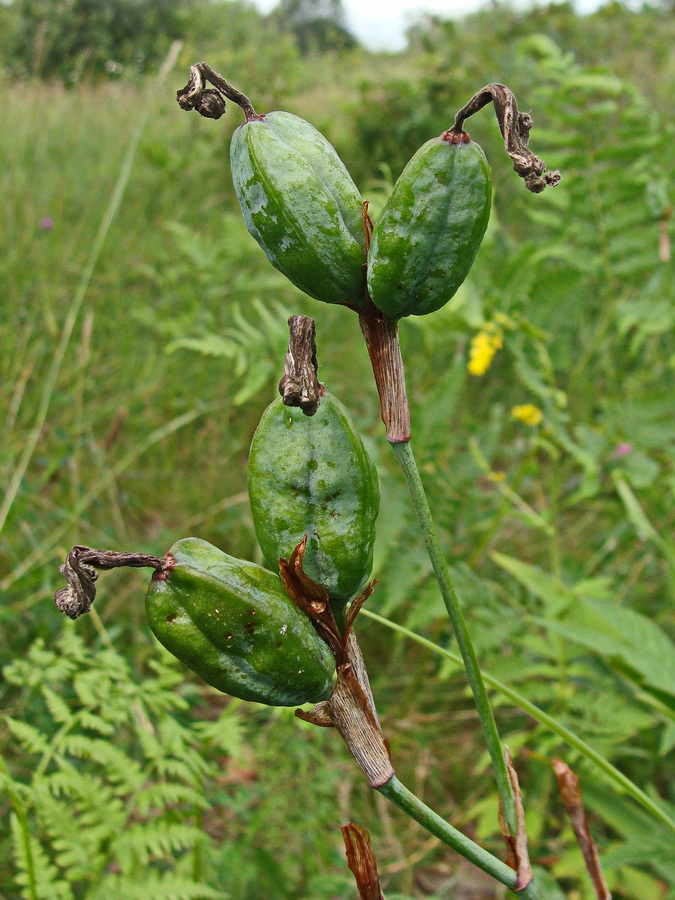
381, 24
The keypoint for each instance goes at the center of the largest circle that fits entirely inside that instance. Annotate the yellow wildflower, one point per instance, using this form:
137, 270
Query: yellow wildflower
484, 345
527, 413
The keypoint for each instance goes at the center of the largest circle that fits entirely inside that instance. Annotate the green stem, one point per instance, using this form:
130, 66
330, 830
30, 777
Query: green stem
52, 375
24, 827
406, 459
619, 779
52, 540
414, 807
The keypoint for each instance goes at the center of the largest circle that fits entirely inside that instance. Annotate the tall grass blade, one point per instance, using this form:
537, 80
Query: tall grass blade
82, 287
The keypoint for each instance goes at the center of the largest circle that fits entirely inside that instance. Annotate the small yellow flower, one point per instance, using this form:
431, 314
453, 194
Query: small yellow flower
484, 345
527, 413
497, 477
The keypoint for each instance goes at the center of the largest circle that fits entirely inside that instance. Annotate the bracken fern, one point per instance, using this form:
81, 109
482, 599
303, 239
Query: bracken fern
110, 788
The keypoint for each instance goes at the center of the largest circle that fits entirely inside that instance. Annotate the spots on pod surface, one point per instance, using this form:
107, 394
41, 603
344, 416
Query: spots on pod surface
438, 210
311, 227
210, 590
315, 479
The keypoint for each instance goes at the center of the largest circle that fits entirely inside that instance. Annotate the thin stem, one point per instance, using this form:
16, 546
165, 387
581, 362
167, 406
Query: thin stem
24, 827
489, 532
384, 350
612, 773
54, 371
211, 103
418, 810
52, 540
411, 474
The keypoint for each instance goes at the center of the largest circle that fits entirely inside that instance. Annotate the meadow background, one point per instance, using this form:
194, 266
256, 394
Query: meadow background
143, 334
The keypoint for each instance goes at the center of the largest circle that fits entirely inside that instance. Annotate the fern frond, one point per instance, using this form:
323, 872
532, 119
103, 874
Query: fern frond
225, 733
57, 706
30, 738
149, 841
116, 762
178, 769
38, 666
36, 874
75, 847
93, 722
167, 794
254, 344
154, 886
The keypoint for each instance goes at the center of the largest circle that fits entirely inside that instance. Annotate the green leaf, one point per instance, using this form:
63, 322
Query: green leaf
555, 595
623, 636
667, 739
657, 809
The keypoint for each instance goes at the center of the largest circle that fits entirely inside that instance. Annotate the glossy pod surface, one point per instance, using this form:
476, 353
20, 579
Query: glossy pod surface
428, 234
232, 623
312, 475
300, 204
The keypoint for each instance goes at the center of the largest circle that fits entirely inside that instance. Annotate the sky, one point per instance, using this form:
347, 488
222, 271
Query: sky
381, 24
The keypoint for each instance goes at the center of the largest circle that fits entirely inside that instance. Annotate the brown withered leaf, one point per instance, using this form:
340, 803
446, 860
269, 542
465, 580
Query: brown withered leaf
361, 860
299, 586
518, 857
570, 793
312, 598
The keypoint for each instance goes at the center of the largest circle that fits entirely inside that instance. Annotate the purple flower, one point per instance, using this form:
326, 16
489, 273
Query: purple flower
47, 223
623, 449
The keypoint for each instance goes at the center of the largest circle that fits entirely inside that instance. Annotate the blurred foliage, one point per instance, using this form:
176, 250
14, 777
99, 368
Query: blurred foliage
318, 26
559, 531
71, 38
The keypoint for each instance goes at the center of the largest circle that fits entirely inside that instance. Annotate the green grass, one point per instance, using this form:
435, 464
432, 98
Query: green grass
141, 446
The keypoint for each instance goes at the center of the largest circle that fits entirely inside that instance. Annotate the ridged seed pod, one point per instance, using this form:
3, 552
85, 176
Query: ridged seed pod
312, 475
233, 624
427, 237
300, 204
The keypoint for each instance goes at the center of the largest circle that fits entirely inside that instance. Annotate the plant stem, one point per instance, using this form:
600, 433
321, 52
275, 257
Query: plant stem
384, 350
411, 474
418, 810
52, 376
52, 539
548, 721
24, 828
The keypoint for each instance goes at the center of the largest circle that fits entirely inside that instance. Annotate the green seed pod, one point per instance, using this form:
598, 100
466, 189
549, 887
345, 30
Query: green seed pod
300, 204
427, 237
233, 624
312, 475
